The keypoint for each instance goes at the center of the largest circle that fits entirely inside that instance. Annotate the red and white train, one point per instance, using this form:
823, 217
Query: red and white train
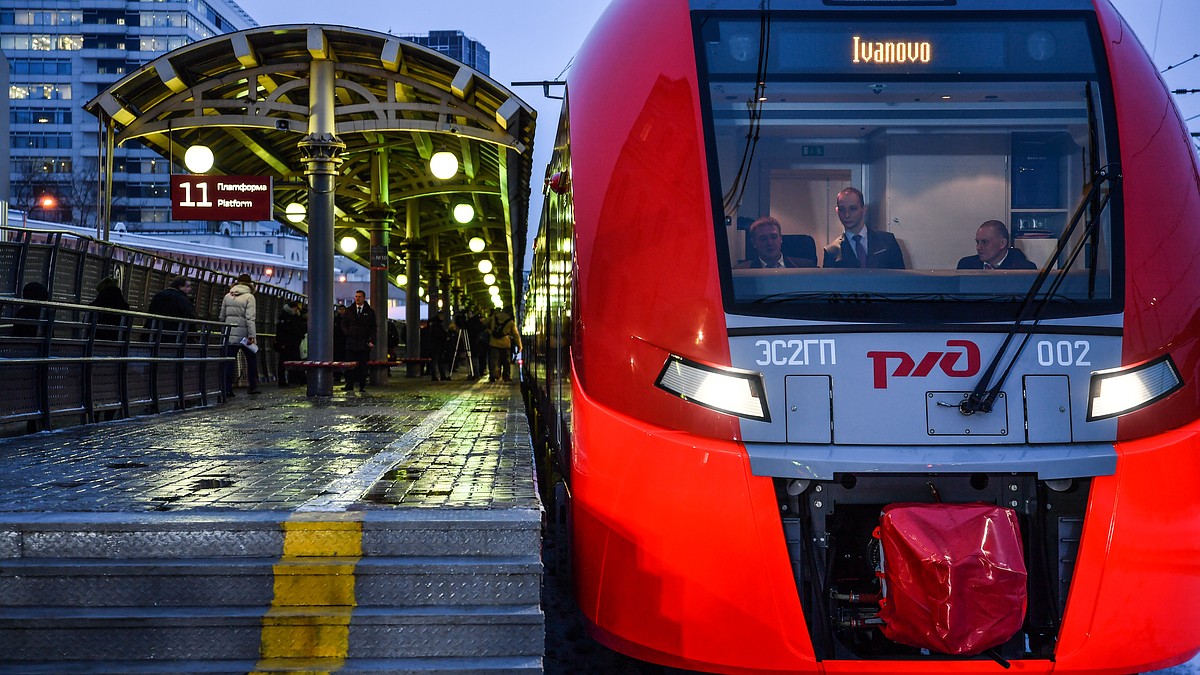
887, 459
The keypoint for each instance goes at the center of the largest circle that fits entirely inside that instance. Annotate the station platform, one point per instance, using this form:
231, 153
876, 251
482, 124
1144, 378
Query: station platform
392, 531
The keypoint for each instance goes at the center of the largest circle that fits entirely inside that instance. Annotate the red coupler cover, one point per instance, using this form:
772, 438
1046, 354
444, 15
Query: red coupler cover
954, 576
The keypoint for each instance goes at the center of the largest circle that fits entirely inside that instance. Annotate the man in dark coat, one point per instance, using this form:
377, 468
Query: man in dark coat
109, 296
174, 300
993, 252
34, 290
358, 324
438, 339
860, 246
289, 333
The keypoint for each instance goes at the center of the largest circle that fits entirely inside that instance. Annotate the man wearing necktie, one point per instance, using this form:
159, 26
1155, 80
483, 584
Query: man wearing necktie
766, 235
358, 324
860, 246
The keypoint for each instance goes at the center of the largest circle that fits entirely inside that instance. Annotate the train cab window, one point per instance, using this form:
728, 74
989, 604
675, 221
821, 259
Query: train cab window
942, 125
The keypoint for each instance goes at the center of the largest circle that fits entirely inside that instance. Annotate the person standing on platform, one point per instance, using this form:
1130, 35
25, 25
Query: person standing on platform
238, 311
438, 346
358, 323
174, 300
477, 334
339, 339
289, 333
109, 296
503, 336
34, 290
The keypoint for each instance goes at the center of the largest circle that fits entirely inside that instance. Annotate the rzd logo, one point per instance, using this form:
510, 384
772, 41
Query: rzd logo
906, 366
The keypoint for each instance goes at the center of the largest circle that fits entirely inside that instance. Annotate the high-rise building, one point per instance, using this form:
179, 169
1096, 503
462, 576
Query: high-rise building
61, 53
456, 45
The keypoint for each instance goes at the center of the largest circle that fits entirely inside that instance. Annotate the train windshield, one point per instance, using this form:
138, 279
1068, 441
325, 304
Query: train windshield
967, 155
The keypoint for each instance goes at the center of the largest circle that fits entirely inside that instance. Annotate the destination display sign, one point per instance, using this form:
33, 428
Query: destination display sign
926, 45
220, 197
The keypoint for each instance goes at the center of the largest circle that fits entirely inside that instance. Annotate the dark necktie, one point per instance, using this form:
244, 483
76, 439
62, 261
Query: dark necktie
860, 251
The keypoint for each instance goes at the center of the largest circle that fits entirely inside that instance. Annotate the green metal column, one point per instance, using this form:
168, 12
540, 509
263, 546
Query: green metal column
322, 154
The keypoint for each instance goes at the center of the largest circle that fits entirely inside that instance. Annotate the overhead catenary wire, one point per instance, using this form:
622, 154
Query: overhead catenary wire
1193, 57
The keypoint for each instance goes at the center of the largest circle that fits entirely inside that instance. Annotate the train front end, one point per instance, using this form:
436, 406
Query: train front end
937, 453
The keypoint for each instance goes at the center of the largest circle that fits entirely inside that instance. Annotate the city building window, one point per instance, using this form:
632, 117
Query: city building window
163, 20
40, 18
111, 67
41, 43
40, 66
39, 116
51, 92
41, 141
42, 165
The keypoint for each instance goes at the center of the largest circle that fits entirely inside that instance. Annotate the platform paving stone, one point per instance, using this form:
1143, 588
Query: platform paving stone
279, 450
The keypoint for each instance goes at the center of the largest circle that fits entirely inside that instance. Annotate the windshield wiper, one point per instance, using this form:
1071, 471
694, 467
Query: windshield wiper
983, 397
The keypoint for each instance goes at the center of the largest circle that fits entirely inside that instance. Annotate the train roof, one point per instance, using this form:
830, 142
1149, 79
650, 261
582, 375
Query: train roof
897, 5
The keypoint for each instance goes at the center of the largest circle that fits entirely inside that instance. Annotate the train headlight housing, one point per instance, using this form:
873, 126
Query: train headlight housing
728, 390
1120, 391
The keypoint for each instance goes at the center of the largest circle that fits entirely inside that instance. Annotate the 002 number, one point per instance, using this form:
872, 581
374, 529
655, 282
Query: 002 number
1063, 353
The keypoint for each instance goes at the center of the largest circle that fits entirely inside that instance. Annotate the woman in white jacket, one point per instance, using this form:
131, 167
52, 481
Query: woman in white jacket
238, 311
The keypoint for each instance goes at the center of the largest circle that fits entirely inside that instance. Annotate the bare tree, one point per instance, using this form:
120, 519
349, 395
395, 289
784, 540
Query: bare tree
74, 193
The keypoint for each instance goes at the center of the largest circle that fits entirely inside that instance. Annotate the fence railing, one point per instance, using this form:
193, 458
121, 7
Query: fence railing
63, 364
71, 265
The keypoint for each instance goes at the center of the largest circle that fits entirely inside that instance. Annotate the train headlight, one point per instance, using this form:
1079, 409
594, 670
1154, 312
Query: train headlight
1123, 390
728, 390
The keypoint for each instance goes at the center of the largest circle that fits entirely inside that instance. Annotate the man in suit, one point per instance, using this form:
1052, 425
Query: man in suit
860, 246
358, 323
993, 252
767, 236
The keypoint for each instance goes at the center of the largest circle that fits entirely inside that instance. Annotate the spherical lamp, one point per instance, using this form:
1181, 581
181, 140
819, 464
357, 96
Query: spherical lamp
489, 279
464, 213
198, 159
401, 279
485, 266
443, 165
349, 245
295, 212
476, 244
494, 290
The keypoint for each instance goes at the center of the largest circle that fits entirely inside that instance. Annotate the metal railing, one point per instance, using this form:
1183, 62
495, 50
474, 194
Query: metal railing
64, 364
71, 265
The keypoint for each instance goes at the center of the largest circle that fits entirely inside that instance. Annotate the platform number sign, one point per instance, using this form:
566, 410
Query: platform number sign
221, 197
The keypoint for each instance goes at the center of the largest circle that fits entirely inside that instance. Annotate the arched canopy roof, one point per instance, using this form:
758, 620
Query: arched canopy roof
246, 96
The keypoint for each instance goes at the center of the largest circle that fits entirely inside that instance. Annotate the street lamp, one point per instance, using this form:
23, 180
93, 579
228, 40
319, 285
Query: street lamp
349, 244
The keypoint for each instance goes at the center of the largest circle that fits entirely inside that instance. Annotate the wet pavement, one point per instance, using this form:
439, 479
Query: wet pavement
410, 443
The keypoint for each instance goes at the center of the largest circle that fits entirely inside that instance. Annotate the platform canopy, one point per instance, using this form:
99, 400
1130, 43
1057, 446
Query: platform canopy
246, 96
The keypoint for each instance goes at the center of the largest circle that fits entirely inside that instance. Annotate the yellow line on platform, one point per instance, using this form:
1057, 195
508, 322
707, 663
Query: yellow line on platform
308, 624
